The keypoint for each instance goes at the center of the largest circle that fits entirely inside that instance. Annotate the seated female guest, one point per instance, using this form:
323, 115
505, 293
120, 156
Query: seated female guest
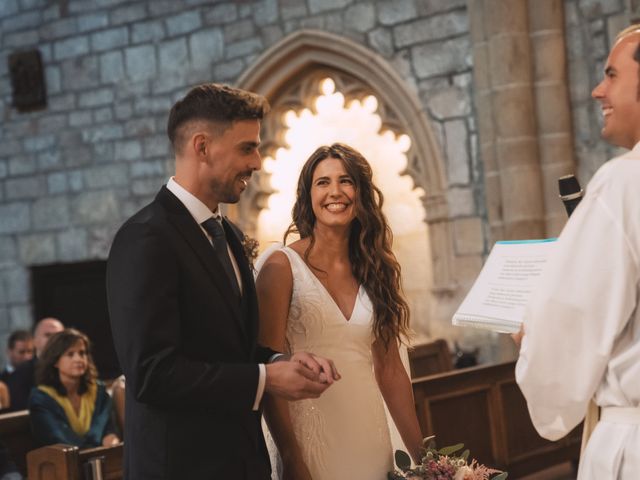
69, 405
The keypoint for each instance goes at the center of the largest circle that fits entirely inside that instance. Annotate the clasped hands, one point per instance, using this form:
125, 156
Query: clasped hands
299, 376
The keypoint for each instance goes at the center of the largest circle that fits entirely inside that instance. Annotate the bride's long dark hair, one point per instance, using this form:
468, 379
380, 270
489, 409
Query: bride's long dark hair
372, 261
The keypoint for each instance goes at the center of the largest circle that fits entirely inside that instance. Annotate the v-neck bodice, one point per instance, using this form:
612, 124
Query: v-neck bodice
361, 295
307, 284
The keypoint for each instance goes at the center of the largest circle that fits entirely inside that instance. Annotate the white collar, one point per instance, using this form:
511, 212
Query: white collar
198, 210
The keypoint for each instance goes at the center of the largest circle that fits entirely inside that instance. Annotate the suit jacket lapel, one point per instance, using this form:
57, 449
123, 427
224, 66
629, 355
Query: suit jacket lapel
182, 220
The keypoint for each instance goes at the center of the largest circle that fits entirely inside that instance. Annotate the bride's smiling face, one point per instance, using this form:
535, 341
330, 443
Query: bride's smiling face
333, 194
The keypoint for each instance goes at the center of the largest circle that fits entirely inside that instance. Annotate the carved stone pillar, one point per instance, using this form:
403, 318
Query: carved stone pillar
555, 134
508, 94
523, 113
485, 115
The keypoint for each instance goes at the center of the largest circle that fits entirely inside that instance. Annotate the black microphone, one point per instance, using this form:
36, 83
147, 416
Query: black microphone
570, 192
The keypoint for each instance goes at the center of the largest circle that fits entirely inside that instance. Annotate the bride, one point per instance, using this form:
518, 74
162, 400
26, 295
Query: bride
336, 292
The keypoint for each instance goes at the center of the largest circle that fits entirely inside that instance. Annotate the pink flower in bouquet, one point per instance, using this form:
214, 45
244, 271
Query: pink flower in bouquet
442, 468
475, 471
465, 473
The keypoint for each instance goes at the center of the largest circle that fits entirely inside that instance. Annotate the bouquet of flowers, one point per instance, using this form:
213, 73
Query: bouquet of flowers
443, 464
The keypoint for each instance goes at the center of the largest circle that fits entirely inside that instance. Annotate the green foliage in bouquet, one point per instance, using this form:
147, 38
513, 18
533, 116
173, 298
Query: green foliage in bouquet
442, 464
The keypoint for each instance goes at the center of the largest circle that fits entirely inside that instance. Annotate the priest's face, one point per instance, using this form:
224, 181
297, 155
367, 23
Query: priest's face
619, 94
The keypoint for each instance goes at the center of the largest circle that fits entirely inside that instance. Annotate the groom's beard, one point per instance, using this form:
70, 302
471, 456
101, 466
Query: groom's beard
230, 191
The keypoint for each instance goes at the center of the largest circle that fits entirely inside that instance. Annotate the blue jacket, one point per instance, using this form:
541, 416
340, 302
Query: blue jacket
50, 424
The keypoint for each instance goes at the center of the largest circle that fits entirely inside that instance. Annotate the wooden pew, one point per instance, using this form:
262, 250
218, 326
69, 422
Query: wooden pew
15, 433
55, 461
483, 408
59, 461
430, 358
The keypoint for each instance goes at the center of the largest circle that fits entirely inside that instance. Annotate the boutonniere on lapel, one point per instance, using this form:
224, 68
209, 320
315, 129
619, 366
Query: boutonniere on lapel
250, 248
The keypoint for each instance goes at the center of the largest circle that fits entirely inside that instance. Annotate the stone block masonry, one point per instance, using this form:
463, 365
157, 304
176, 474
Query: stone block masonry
72, 173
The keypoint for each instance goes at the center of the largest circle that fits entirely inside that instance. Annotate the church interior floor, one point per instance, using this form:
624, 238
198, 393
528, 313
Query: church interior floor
563, 471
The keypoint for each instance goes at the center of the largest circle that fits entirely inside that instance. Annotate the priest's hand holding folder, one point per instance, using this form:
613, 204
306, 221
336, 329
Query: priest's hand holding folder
570, 193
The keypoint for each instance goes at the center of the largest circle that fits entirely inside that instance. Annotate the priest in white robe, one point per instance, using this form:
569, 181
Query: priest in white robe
582, 328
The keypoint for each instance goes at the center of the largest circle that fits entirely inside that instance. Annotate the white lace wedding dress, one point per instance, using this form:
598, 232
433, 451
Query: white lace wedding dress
343, 434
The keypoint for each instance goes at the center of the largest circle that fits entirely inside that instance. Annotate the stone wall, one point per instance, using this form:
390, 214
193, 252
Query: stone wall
591, 28
71, 173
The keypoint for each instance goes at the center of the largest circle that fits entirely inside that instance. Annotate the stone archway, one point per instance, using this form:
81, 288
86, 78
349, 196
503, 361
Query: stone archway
304, 52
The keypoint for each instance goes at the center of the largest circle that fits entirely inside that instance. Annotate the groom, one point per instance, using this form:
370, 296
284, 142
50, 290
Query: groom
183, 307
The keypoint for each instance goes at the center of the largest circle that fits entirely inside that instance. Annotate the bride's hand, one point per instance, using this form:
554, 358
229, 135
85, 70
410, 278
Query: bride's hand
324, 368
295, 470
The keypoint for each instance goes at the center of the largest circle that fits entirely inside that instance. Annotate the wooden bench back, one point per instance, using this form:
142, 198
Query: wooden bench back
112, 465
55, 461
15, 433
59, 461
430, 358
483, 408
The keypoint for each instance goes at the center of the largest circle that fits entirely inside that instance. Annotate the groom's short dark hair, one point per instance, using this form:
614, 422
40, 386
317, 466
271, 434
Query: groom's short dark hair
216, 103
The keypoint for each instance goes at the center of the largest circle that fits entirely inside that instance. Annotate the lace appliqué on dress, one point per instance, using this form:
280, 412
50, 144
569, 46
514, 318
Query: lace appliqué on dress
304, 323
310, 430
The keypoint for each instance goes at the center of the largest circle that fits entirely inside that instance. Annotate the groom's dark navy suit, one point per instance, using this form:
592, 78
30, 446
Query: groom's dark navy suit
187, 345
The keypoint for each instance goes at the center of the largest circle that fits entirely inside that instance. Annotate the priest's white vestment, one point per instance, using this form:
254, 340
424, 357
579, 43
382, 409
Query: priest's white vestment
582, 328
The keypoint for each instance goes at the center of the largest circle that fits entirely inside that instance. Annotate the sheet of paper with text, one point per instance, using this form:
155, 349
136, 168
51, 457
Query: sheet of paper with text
500, 294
